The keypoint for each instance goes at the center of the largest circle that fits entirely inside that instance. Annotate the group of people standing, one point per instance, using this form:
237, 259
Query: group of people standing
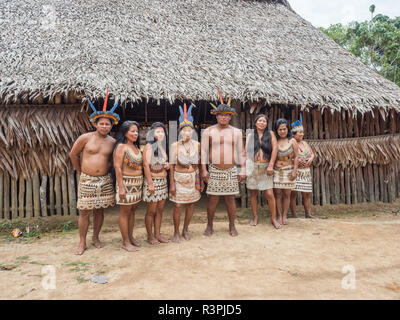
271, 161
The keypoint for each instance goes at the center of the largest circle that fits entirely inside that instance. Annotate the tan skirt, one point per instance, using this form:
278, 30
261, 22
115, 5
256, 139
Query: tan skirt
303, 180
95, 192
134, 190
282, 178
222, 182
185, 185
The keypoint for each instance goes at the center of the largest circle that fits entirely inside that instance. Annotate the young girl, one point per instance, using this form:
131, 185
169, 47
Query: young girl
285, 168
155, 187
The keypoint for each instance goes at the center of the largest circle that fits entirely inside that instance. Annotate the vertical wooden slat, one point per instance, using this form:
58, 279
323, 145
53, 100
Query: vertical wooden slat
320, 125
36, 194
327, 185
347, 185
332, 186
317, 200
64, 190
315, 123
28, 200
57, 189
21, 197
6, 196
354, 191
14, 199
323, 193
371, 184
51, 195
326, 124
349, 123
376, 183
355, 125
344, 124
72, 193
361, 185
382, 184
341, 190
43, 195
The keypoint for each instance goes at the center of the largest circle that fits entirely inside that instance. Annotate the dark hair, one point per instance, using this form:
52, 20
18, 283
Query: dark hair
265, 146
120, 138
98, 119
153, 142
278, 123
123, 129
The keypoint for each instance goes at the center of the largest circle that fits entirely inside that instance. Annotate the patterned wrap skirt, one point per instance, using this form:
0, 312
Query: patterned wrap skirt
222, 182
257, 178
282, 178
161, 190
134, 190
185, 185
303, 180
95, 192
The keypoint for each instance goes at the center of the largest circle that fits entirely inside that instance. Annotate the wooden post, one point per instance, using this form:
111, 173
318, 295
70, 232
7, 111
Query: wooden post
64, 190
71, 193
14, 199
360, 185
382, 184
57, 189
43, 195
315, 123
7, 196
371, 184
36, 195
51, 194
29, 195
21, 197
316, 186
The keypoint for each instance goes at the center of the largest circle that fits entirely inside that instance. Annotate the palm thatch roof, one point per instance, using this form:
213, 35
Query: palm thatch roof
181, 49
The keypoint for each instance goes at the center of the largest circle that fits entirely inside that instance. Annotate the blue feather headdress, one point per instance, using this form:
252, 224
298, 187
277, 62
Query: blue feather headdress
114, 117
298, 125
186, 118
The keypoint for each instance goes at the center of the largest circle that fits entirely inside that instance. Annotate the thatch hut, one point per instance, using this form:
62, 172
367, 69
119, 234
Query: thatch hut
152, 54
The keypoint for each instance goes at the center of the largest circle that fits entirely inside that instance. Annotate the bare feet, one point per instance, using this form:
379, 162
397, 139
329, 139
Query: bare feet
280, 221
254, 222
81, 249
97, 243
276, 224
135, 242
209, 231
176, 238
285, 220
309, 216
161, 239
129, 247
153, 241
232, 231
186, 235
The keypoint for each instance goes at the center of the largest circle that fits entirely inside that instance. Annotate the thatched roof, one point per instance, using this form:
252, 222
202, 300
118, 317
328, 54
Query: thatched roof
181, 49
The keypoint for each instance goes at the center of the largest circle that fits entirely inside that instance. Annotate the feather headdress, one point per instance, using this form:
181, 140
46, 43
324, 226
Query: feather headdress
114, 117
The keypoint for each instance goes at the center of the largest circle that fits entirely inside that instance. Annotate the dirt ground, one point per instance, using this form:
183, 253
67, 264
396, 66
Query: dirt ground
304, 260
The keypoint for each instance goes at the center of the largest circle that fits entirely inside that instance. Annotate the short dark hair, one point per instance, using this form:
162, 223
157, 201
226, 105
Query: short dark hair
97, 120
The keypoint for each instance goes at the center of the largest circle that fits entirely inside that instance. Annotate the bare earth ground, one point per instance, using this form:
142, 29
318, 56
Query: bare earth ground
304, 260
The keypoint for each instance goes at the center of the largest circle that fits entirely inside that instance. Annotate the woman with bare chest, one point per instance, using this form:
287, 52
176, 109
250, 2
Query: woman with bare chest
261, 152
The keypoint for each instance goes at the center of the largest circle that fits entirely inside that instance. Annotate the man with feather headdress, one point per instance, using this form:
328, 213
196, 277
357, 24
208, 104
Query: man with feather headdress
91, 156
222, 149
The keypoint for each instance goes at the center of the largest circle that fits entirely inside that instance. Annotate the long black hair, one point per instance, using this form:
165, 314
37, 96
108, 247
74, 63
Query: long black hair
153, 142
265, 146
278, 123
123, 129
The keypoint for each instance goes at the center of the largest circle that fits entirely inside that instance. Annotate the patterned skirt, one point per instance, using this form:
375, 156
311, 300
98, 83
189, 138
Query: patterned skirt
303, 181
222, 182
134, 190
95, 192
185, 185
257, 178
161, 190
282, 178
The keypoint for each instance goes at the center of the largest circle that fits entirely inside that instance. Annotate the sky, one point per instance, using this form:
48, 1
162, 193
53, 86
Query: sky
323, 13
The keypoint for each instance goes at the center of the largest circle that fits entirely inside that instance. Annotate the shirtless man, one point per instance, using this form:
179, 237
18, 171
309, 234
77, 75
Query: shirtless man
91, 156
222, 147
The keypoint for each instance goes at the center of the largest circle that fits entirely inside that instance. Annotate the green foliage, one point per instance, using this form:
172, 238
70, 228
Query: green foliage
375, 42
